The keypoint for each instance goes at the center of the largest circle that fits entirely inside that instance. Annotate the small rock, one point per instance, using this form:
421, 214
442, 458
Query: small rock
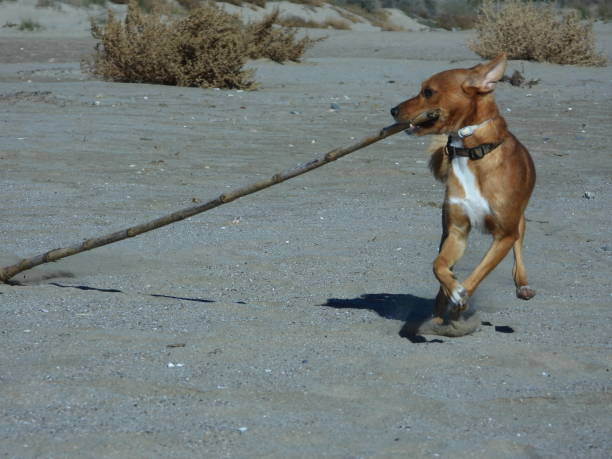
334, 106
517, 79
588, 195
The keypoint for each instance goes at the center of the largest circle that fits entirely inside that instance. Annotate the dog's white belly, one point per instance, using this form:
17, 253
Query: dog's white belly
474, 205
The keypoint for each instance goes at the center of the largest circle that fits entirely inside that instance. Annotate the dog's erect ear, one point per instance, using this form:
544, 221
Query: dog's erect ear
484, 76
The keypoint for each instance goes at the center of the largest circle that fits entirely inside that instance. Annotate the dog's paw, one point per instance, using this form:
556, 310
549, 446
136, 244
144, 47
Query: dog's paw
458, 298
525, 292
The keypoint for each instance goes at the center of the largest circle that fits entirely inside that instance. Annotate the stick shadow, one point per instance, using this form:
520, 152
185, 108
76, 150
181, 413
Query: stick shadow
112, 290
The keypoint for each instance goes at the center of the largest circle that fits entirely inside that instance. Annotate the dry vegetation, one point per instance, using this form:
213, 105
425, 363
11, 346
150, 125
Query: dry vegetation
529, 31
207, 48
296, 21
261, 3
377, 17
277, 43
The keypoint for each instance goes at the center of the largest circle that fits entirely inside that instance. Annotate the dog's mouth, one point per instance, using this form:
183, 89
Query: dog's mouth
423, 120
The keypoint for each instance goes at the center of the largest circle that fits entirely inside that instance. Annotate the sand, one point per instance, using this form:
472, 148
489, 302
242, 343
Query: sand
270, 327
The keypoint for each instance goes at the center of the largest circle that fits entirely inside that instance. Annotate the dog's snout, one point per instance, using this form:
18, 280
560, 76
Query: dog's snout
395, 111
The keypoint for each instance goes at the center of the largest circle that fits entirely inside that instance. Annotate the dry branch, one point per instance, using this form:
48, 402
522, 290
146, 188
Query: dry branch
8, 272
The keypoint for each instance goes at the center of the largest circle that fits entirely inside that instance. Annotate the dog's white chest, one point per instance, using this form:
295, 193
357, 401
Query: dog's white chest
474, 205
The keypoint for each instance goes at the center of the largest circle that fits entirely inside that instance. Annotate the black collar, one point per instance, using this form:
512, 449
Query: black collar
477, 152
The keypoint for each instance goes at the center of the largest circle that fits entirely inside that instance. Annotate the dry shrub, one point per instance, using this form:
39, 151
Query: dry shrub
204, 49
232, 2
261, 3
337, 24
455, 21
309, 2
455, 14
377, 17
277, 43
207, 48
296, 21
189, 4
528, 31
352, 18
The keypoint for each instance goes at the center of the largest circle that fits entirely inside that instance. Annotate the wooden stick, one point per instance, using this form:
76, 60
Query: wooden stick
8, 272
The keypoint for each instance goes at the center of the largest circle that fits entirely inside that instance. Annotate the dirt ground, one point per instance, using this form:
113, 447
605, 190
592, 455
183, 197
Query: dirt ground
270, 327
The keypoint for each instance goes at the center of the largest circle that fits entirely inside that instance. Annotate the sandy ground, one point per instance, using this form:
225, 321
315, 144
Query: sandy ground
270, 327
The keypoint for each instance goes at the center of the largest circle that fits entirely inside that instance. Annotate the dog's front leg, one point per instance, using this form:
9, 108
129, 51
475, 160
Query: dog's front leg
451, 251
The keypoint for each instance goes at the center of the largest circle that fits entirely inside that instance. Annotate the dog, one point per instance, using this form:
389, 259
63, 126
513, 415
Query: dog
489, 176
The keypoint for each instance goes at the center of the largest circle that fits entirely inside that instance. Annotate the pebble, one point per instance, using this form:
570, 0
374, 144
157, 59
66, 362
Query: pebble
334, 106
588, 195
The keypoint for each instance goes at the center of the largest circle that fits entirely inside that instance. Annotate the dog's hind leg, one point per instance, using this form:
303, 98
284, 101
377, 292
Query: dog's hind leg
500, 247
519, 273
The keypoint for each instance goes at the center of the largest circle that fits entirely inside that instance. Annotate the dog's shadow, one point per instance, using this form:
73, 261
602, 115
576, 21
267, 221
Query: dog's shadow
413, 310
390, 306
416, 313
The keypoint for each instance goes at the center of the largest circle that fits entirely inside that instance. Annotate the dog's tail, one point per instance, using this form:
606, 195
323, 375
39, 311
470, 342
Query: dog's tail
438, 162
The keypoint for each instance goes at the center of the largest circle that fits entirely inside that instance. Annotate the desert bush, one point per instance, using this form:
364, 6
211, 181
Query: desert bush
309, 2
276, 43
77, 3
296, 21
189, 4
207, 48
204, 49
525, 30
455, 14
261, 3
46, 4
29, 25
232, 2
376, 16
337, 24
601, 9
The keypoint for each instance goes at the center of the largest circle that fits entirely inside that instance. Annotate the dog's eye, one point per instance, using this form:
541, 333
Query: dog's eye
427, 93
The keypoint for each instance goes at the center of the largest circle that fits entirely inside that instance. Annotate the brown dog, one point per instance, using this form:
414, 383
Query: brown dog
489, 176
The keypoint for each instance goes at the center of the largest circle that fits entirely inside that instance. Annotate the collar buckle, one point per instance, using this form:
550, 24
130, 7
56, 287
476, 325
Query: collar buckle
477, 152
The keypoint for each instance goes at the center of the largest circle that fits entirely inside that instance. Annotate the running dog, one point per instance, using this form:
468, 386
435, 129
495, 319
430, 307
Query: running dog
489, 176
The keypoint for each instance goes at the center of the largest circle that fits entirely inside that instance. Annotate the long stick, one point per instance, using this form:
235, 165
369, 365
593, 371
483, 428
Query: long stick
8, 272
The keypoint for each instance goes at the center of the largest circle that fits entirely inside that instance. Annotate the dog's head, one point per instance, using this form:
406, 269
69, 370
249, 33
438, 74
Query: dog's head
452, 99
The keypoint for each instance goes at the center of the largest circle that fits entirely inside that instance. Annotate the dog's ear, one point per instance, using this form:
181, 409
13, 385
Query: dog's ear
484, 76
